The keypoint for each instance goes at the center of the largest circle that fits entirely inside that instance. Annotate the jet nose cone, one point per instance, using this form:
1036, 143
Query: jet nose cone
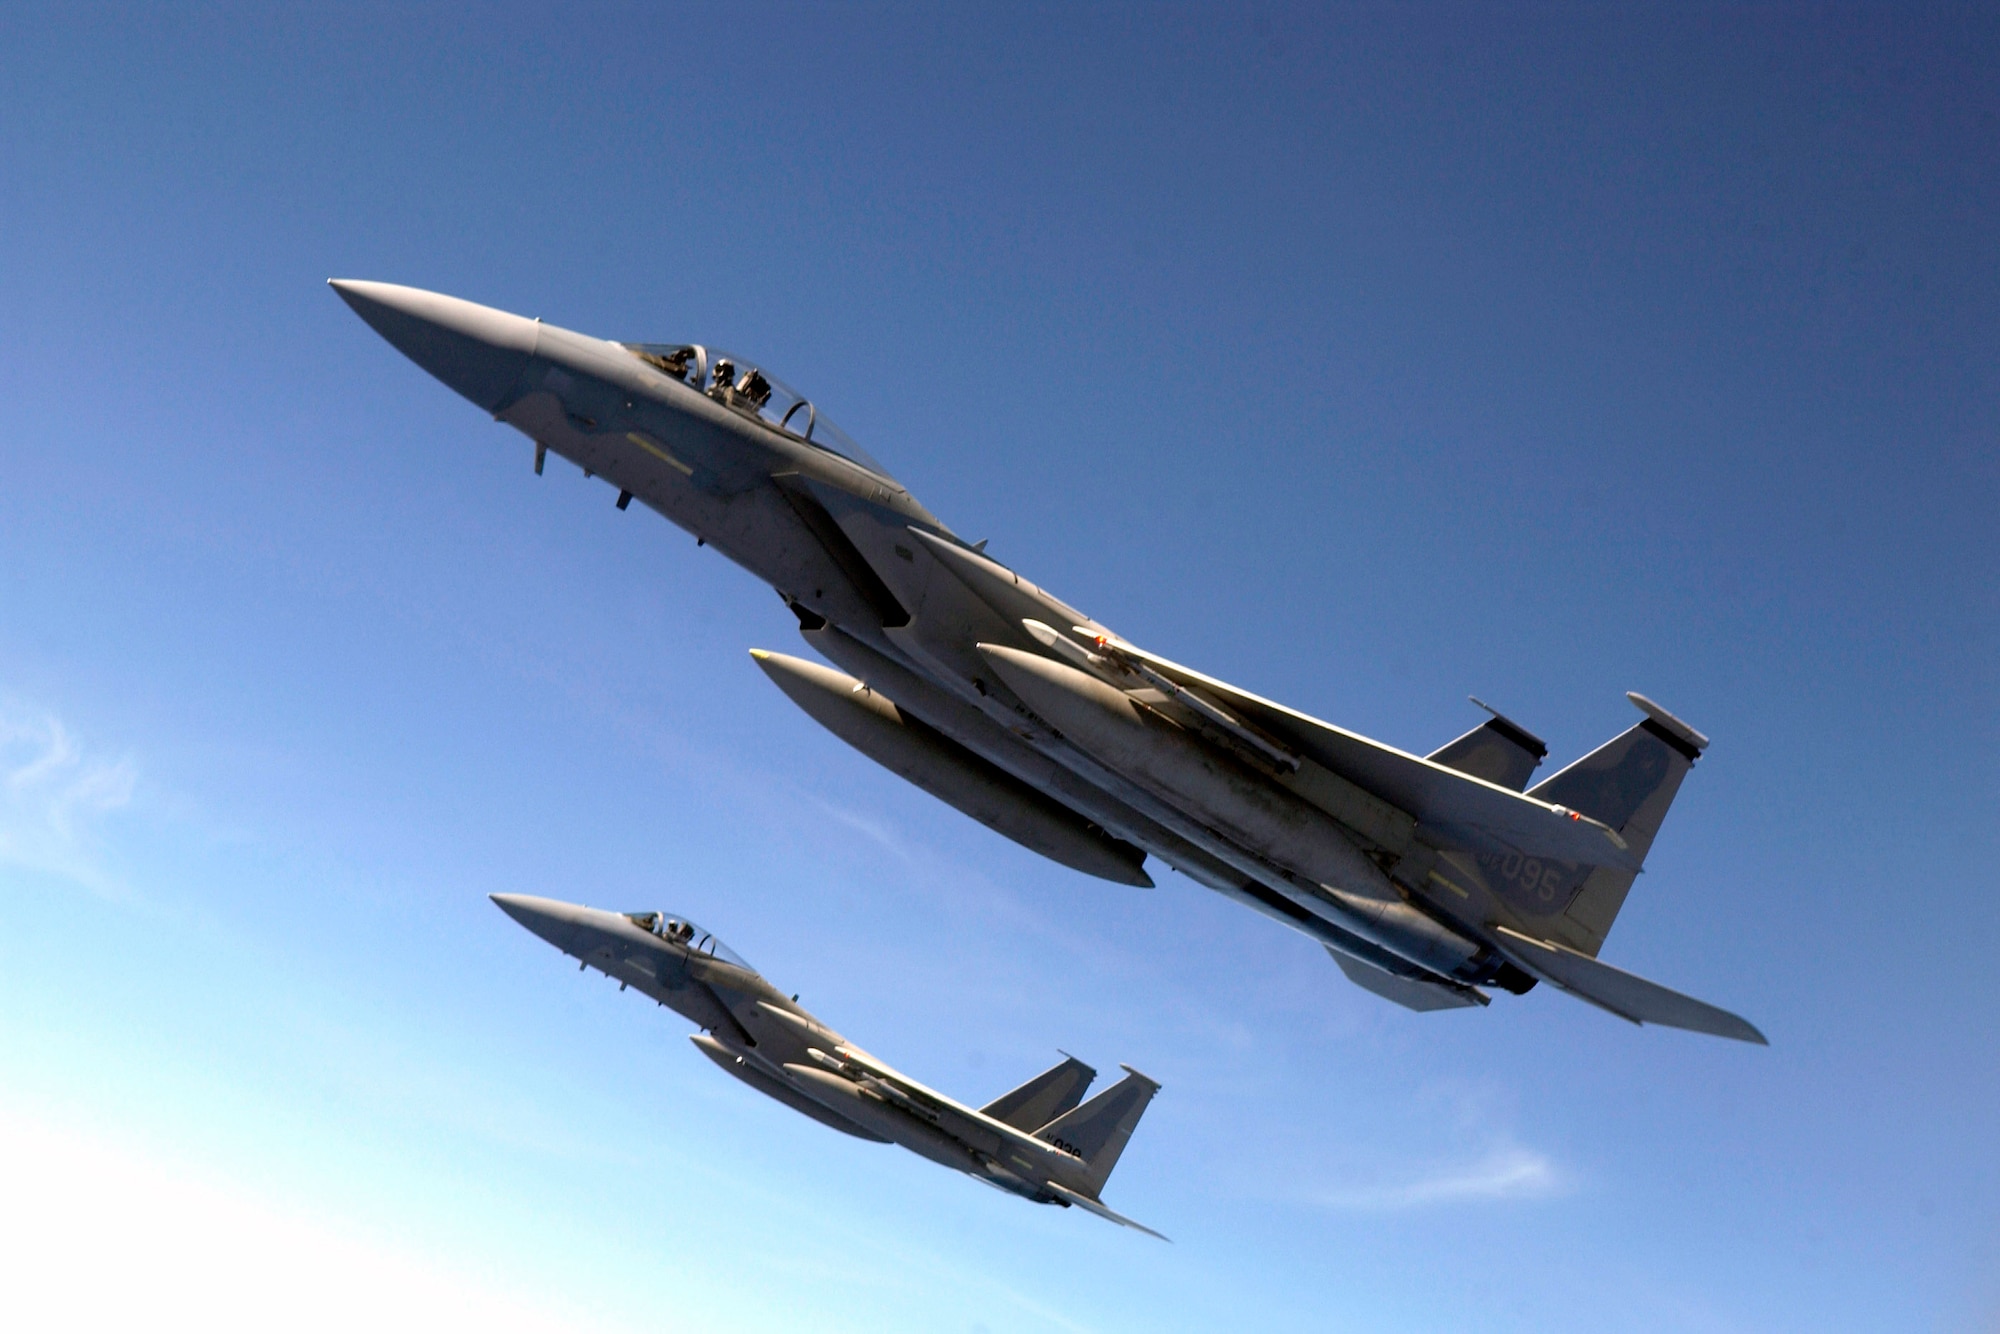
476, 350
551, 919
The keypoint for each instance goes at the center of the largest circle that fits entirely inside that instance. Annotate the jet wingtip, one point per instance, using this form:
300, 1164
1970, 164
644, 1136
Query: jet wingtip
1733, 1027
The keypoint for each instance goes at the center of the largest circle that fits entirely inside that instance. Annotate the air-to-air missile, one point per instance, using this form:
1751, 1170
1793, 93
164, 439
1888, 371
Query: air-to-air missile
1041, 1141
1427, 877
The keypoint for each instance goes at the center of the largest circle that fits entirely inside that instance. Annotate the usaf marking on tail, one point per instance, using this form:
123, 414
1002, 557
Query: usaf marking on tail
1427, 878
1041, 1141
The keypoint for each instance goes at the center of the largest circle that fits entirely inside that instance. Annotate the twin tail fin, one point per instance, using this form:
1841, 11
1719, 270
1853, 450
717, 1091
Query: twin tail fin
1042, 1099
1098, 1131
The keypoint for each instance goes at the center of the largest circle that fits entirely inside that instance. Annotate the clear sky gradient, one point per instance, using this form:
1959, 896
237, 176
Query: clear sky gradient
1367, 358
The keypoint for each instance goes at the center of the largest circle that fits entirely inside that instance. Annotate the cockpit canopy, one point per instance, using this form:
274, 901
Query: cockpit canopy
736, 383
683, 932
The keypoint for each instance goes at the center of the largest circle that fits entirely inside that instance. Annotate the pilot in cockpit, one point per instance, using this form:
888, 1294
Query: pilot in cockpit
754, 389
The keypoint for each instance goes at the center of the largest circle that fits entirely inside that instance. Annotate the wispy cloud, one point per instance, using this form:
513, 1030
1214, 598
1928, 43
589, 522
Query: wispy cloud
52, 793
873, 830
1506, 1172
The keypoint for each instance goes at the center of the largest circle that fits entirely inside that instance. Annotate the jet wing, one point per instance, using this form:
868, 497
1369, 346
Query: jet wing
1082, 1201
928, 1098
946, 1113
1454, 810
1624, 994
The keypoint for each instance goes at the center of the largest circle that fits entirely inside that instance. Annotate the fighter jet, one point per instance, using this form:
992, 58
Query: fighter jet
1427, 877
1041, 1141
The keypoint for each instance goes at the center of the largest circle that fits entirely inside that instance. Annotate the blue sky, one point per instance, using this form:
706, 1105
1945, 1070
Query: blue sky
1367, 358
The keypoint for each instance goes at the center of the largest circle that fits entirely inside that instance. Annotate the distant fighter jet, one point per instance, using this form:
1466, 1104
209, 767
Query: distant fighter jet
1042, 1141
1426, 877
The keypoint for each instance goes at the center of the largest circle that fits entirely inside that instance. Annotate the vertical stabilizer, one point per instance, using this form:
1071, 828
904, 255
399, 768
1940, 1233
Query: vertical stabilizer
1044, 1098
1097, 1131
1499, 750
1628, 783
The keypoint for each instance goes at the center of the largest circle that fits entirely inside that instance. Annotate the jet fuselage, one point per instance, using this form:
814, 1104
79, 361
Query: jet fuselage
1025, 713
1042, 1142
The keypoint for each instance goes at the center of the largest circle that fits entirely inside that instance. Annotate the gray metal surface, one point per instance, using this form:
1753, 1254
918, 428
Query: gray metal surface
920, 754
996, 696
1041, 1141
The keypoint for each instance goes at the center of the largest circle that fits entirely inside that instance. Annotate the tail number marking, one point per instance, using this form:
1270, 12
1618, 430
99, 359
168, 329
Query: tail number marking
1543, 880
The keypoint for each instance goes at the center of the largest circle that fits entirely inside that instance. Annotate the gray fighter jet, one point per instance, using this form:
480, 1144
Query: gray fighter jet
1041, 1141
1427, 877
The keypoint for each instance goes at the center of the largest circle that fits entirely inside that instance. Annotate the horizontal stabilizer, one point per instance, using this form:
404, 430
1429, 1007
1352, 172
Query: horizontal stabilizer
1081, 1201
1412, 993
1623, 994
